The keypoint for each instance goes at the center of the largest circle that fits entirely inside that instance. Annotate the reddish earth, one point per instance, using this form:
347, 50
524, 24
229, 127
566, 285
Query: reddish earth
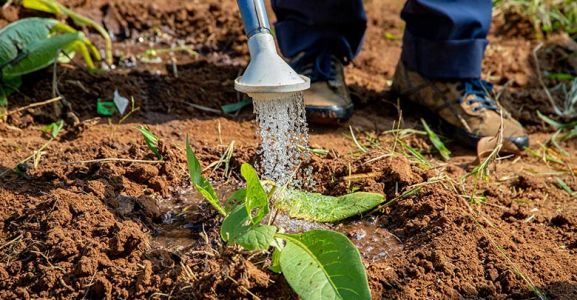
76, 229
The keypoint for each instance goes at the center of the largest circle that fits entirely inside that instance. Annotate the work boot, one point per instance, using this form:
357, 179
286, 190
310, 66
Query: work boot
328, 100
466, 108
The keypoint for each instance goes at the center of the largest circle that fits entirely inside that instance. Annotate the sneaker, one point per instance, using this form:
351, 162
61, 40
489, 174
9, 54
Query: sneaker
466, 108
328, 100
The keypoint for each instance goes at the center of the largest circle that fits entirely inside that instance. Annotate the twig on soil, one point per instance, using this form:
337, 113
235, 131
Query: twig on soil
204, 108
361, 147
542, 83
14, 240
112, 159
41, 103
243, 288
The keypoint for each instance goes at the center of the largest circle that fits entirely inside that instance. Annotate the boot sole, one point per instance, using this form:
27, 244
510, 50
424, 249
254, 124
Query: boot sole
328, 115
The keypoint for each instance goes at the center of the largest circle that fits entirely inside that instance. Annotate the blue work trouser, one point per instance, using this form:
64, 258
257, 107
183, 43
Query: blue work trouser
444, 39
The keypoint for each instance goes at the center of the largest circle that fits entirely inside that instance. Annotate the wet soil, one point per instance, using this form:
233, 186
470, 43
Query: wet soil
81, 224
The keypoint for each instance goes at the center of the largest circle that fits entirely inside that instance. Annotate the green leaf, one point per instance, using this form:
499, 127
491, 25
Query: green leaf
320, 208
322, 264
151, 141
40, 54
275, 265
436, 141
559, 76
237, 198
53, 128
237, 229
555, 124
233, 107
40, 5
16, 36
256, 197
3, 103
201, 184
256, 237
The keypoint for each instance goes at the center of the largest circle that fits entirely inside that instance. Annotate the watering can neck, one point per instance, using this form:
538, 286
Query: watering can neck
254, 17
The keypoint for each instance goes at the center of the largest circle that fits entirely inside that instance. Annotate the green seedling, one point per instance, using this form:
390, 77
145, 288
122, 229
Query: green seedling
53, 130
31, 44
151, 141
564, 186
317, 264
436, 141
53, 7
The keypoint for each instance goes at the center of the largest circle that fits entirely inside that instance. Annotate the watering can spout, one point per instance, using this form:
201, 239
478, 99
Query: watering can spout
267, 72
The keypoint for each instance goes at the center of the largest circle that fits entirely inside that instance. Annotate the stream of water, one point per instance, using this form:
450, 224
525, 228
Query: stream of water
282, 128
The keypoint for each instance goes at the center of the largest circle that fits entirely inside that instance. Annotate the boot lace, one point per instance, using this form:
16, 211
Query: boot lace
480, 90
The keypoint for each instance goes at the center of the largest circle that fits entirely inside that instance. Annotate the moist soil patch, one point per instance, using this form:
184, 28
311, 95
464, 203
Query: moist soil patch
81, 224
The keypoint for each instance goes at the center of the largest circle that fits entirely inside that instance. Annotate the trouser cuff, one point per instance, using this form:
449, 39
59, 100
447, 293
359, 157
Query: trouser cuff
450, 59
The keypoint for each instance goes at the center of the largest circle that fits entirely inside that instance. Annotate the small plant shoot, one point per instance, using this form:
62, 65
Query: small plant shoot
317, 264
151, 141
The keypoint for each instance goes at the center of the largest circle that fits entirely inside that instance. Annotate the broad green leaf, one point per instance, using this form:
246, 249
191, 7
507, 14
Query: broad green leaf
202, 185
256, 237
40, 53
256, 197
237, 198
237, 229
323, 264
320, 208
15, 37
436, 141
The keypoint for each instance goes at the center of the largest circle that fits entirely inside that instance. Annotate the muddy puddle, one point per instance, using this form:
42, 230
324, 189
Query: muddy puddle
184, 214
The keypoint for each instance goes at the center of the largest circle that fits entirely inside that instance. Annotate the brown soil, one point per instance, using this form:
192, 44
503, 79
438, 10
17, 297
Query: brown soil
76, 229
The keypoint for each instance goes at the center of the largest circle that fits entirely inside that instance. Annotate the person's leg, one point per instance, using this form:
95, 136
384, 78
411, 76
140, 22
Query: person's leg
320, 27
440, 68
446, 38
318, 36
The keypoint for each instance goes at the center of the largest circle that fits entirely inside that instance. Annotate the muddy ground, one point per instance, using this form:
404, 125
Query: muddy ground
72, 227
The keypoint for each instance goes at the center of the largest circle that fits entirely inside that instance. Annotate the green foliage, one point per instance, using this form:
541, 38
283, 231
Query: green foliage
320, 208
53, 7
53, 129
151, 141
321, 264
201, 184
31, 44
547, 16
256, 197
569, 129
238, 229
436, 141
318, 264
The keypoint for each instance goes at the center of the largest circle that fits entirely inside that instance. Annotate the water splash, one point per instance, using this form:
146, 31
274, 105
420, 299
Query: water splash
282, 128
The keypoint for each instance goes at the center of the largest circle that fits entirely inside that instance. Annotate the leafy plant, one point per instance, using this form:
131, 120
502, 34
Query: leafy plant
317, 264
53, 7
151, 141
31, 44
